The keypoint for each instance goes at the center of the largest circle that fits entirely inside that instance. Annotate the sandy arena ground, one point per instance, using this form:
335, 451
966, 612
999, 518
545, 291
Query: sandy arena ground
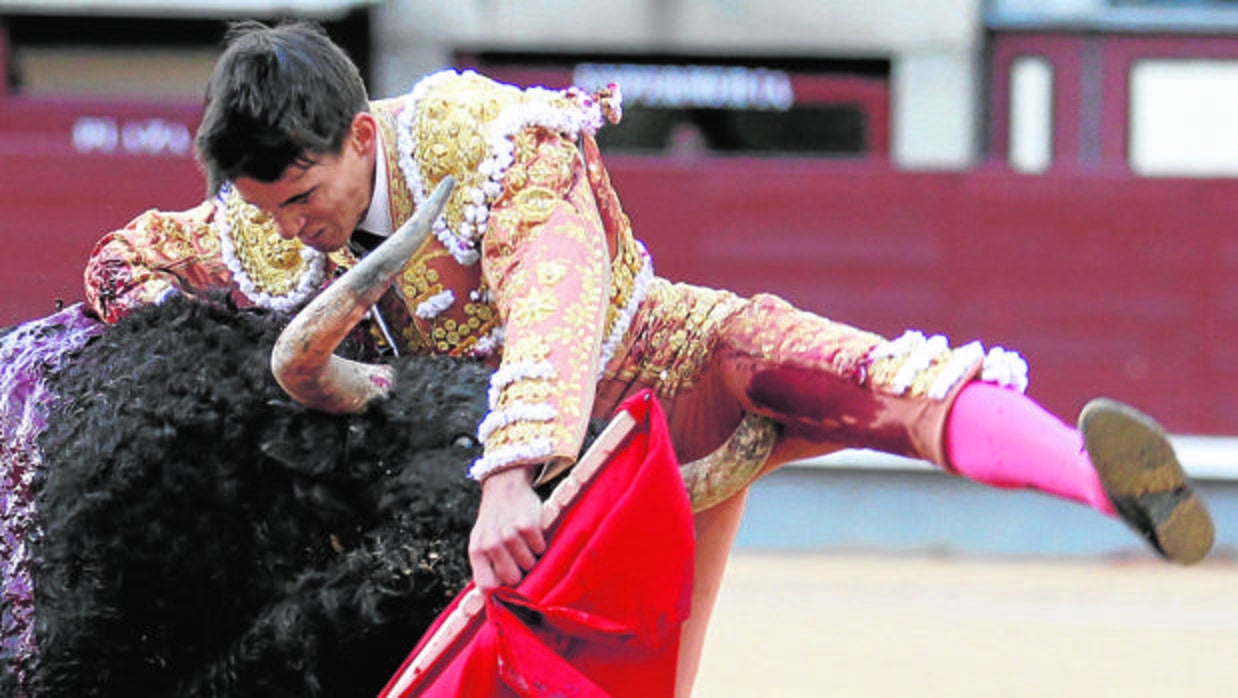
812, 625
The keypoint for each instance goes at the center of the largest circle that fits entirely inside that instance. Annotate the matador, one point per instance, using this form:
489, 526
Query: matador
534, 269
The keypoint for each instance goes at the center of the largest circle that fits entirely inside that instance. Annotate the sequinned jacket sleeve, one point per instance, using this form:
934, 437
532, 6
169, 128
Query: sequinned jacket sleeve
156, 254
546, 261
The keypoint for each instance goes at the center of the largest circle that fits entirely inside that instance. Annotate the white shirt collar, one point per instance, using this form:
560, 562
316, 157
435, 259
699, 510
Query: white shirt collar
378, 217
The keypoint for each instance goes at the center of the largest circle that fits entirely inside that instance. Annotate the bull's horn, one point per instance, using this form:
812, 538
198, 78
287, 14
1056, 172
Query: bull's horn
303, 359
718, 476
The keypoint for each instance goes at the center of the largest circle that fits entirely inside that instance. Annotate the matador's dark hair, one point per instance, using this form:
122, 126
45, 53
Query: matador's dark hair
278, 96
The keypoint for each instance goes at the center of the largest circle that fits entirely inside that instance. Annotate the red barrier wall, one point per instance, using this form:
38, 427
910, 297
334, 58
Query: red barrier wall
1108, 285
71, 171
1116, 286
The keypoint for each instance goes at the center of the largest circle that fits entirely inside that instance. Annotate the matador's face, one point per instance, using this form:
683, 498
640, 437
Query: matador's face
321, 203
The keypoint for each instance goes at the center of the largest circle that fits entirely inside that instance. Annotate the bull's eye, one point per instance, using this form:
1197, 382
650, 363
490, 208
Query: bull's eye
465, 441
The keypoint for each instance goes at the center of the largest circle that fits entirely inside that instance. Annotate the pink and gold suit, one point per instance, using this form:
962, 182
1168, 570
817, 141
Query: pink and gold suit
534, 269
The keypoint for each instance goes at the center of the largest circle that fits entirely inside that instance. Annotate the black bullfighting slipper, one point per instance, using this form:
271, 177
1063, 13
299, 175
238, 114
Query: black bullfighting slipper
1144, 480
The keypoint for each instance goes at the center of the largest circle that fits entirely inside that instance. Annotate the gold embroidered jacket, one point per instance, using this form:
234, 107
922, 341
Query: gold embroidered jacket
533, 268
532, 261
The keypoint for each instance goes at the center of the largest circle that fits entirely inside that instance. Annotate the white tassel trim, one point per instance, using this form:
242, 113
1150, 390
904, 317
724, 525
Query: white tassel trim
640, 287
460, 246
918, 353
961, 364
1005, 368
902, 346
503, 458
431, 307
586, 117
488, 344
498, 419
309, 283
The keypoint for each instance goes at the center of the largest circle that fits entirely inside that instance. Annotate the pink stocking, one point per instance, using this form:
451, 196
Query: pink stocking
1003, 438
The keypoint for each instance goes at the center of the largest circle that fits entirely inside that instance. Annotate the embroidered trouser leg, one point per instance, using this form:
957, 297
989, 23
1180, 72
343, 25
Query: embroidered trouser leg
711, 356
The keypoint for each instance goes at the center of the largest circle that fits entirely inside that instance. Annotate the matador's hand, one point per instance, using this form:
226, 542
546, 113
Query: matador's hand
507, 537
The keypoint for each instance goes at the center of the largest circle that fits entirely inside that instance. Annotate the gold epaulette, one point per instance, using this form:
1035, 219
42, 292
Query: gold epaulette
272, 271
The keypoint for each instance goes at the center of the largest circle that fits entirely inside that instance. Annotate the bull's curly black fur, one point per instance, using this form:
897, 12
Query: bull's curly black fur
204, 535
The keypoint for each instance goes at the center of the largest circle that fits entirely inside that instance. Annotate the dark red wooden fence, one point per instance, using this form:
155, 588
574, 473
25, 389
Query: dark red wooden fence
1108, 284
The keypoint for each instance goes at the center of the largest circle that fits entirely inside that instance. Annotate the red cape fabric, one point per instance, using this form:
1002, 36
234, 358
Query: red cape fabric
601, 613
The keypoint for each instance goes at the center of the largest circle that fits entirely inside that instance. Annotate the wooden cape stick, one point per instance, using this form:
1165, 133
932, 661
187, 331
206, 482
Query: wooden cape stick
564, 494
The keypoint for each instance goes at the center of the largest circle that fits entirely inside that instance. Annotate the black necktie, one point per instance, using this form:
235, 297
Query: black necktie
363, 242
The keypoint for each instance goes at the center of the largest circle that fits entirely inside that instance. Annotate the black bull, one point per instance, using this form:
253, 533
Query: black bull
204, 535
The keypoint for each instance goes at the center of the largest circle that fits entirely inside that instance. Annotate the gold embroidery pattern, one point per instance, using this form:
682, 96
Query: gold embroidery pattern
534, 307
524, 147
884, 371
456, 331
674, 335
419, 280
551, 273
623, 272
178, 240
530, 351
482, 319
473, 128
206, 242
527, 391
519, 433
558, 294
581, 323
273, 264
447, 130
629, 255
791, 337
175, 241
535, 204
341, 259
134, 267
550, 253
401, 198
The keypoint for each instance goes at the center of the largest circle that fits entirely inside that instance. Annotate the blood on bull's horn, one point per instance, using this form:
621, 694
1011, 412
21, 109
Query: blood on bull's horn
303, 359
